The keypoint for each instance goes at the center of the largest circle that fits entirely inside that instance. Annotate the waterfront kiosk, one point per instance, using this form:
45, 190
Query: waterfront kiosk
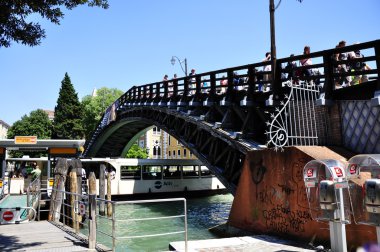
53, 148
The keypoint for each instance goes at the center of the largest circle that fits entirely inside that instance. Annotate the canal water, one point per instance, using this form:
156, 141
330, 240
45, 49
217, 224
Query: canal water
202, 214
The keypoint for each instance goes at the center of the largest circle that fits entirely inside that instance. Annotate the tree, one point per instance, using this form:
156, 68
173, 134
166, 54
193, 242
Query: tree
36, 124
94, 106
14, 15
68, 113
136, 152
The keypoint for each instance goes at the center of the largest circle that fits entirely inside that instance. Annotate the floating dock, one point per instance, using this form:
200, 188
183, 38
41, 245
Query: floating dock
41, 236
246, 243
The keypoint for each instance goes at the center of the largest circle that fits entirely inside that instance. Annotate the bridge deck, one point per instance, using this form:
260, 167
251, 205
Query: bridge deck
39, 236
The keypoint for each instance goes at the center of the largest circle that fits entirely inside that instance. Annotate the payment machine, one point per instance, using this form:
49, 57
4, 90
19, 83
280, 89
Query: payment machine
328, 197
363, 172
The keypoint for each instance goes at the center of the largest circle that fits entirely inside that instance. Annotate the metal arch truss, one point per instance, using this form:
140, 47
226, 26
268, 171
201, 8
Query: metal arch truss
222, 155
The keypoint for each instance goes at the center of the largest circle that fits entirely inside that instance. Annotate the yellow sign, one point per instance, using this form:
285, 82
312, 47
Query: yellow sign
51, 182
25, 140
1, 183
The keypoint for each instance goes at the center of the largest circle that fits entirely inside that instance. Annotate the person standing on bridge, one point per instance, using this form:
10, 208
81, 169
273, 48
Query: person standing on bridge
267, 75
171, 85
192, 82
223, 85
343, 68
306, 62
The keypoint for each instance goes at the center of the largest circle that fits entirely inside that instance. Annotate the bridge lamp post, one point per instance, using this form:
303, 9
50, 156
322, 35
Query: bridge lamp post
173, 60
272, 8
272, 39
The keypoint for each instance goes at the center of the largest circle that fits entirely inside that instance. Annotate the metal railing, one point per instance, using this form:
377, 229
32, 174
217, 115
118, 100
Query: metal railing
88, 207
66, 209
5, 186
33, 192
115, 221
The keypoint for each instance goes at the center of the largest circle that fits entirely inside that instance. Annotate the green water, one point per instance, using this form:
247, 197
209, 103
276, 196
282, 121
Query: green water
203, 213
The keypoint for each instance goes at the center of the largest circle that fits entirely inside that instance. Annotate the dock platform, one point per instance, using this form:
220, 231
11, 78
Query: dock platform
41, 236
242, 244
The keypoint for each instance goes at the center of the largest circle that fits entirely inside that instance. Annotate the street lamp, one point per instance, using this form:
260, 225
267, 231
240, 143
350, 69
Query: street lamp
173, 60
272, 39
273, 53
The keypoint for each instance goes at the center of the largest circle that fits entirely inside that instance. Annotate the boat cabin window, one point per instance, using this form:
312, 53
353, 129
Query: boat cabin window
130, 172
151, 172
172, 171
205, 172
190, 171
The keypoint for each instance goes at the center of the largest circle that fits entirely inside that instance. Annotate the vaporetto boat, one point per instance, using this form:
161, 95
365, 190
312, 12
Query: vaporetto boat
133, 178
146, 178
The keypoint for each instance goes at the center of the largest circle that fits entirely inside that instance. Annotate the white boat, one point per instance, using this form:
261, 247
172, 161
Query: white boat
136, 178
151, 178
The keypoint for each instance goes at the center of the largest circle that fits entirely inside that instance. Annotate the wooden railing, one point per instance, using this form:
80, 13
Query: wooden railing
250, 84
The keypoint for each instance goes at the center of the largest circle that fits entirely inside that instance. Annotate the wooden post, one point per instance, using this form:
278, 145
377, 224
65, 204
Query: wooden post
92, 183
102, 189
59, 185
92, 210
109, 205
79, 180
79, 186
73, 198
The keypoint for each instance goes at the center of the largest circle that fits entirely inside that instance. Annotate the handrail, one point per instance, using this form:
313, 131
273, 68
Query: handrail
91, 200
115, 221
33, 192
2, 193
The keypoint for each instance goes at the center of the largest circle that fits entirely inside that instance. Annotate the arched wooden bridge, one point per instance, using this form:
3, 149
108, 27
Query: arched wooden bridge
221, 115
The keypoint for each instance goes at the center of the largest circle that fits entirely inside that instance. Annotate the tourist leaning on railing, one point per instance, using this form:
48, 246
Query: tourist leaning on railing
356, 65
306, 62
290, 70
343, 68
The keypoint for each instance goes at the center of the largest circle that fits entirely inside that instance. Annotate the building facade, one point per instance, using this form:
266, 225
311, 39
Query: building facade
161, 145
4, 129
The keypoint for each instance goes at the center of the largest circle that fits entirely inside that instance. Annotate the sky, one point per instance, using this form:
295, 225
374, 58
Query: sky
132, 42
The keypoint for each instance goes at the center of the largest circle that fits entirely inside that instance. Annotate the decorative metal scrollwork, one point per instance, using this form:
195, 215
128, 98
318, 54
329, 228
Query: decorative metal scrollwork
278, 131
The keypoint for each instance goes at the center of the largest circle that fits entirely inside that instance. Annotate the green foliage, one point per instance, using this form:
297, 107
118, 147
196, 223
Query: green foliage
68, 113
14, 15
94, 107
36, 124
136, 152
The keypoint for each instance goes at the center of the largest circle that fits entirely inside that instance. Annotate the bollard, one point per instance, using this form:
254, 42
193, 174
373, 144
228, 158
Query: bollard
73, 199
92, 211
109, 204
9, 184
92, 221
102, 192
59, 184
79, 189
